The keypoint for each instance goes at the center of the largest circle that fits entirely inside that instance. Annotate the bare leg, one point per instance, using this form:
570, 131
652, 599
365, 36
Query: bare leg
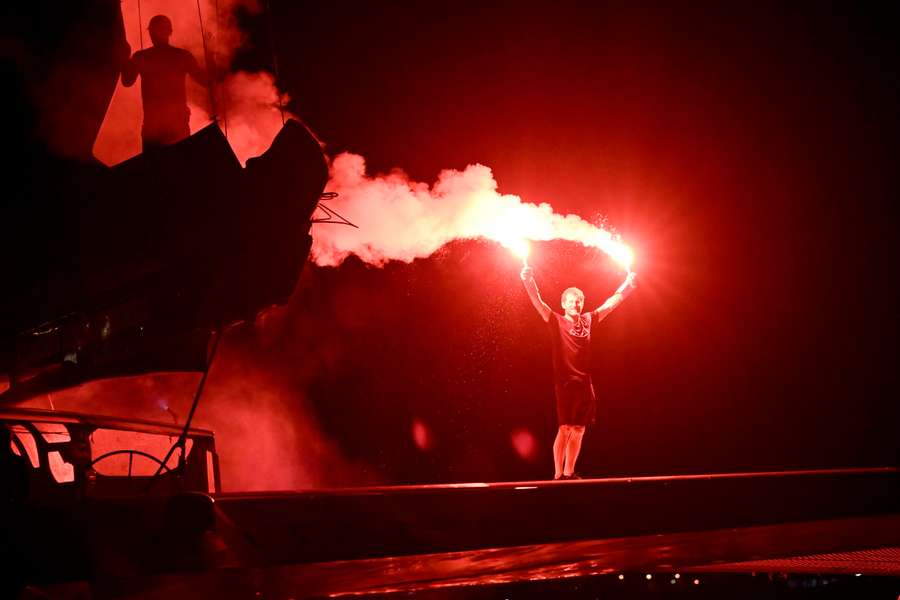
573, 447
559, 450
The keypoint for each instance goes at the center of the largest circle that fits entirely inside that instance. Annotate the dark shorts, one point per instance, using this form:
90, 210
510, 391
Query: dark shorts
576, 403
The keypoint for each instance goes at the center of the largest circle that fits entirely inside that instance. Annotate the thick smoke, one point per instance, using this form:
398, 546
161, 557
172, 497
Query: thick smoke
252, 117
267, 435
401, 219
246, 105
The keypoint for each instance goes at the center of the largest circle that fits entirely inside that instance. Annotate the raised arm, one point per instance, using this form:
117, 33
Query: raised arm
615, 300
534, 295
130, 70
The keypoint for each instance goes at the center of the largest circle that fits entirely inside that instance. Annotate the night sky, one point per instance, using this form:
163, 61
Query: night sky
747, 154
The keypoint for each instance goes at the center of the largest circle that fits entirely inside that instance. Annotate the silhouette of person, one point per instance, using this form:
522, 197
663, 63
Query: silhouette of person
571, 338
162, 68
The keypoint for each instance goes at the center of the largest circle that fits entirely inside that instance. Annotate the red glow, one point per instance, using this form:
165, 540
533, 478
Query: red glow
266, 437
519, 247
30, 445
107, 440
421, 435
524, 444
62, 471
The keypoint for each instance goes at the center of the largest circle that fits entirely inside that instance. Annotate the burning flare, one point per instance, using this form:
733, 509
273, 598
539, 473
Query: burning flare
519, 247
401, 219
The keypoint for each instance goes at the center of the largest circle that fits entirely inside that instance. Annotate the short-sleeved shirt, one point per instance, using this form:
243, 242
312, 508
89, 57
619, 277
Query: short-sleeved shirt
571, 347
576, 403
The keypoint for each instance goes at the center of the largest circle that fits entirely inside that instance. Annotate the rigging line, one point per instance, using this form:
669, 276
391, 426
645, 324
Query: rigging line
222, 89
212, 97
140, 25
274, 57
182, 437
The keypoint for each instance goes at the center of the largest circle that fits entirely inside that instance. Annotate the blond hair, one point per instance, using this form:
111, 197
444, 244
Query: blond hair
572, 290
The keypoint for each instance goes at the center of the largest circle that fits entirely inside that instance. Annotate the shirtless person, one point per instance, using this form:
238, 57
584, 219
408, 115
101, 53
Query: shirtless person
571, 337
162, 69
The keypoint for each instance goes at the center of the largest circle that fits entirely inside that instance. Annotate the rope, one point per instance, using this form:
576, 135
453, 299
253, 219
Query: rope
222, 85
331, 215
182, 438
140, 25
212, 97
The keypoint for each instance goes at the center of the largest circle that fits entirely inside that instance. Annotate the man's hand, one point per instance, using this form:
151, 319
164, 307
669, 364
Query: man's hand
534, 295
627, 285
618, 296
123, 52
527, 273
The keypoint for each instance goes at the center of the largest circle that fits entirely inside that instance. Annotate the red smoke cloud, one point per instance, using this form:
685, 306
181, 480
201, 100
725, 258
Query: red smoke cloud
266, 433
246, 104
253, 117
401, 219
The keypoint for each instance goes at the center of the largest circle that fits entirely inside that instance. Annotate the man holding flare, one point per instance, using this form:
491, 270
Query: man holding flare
570, 335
